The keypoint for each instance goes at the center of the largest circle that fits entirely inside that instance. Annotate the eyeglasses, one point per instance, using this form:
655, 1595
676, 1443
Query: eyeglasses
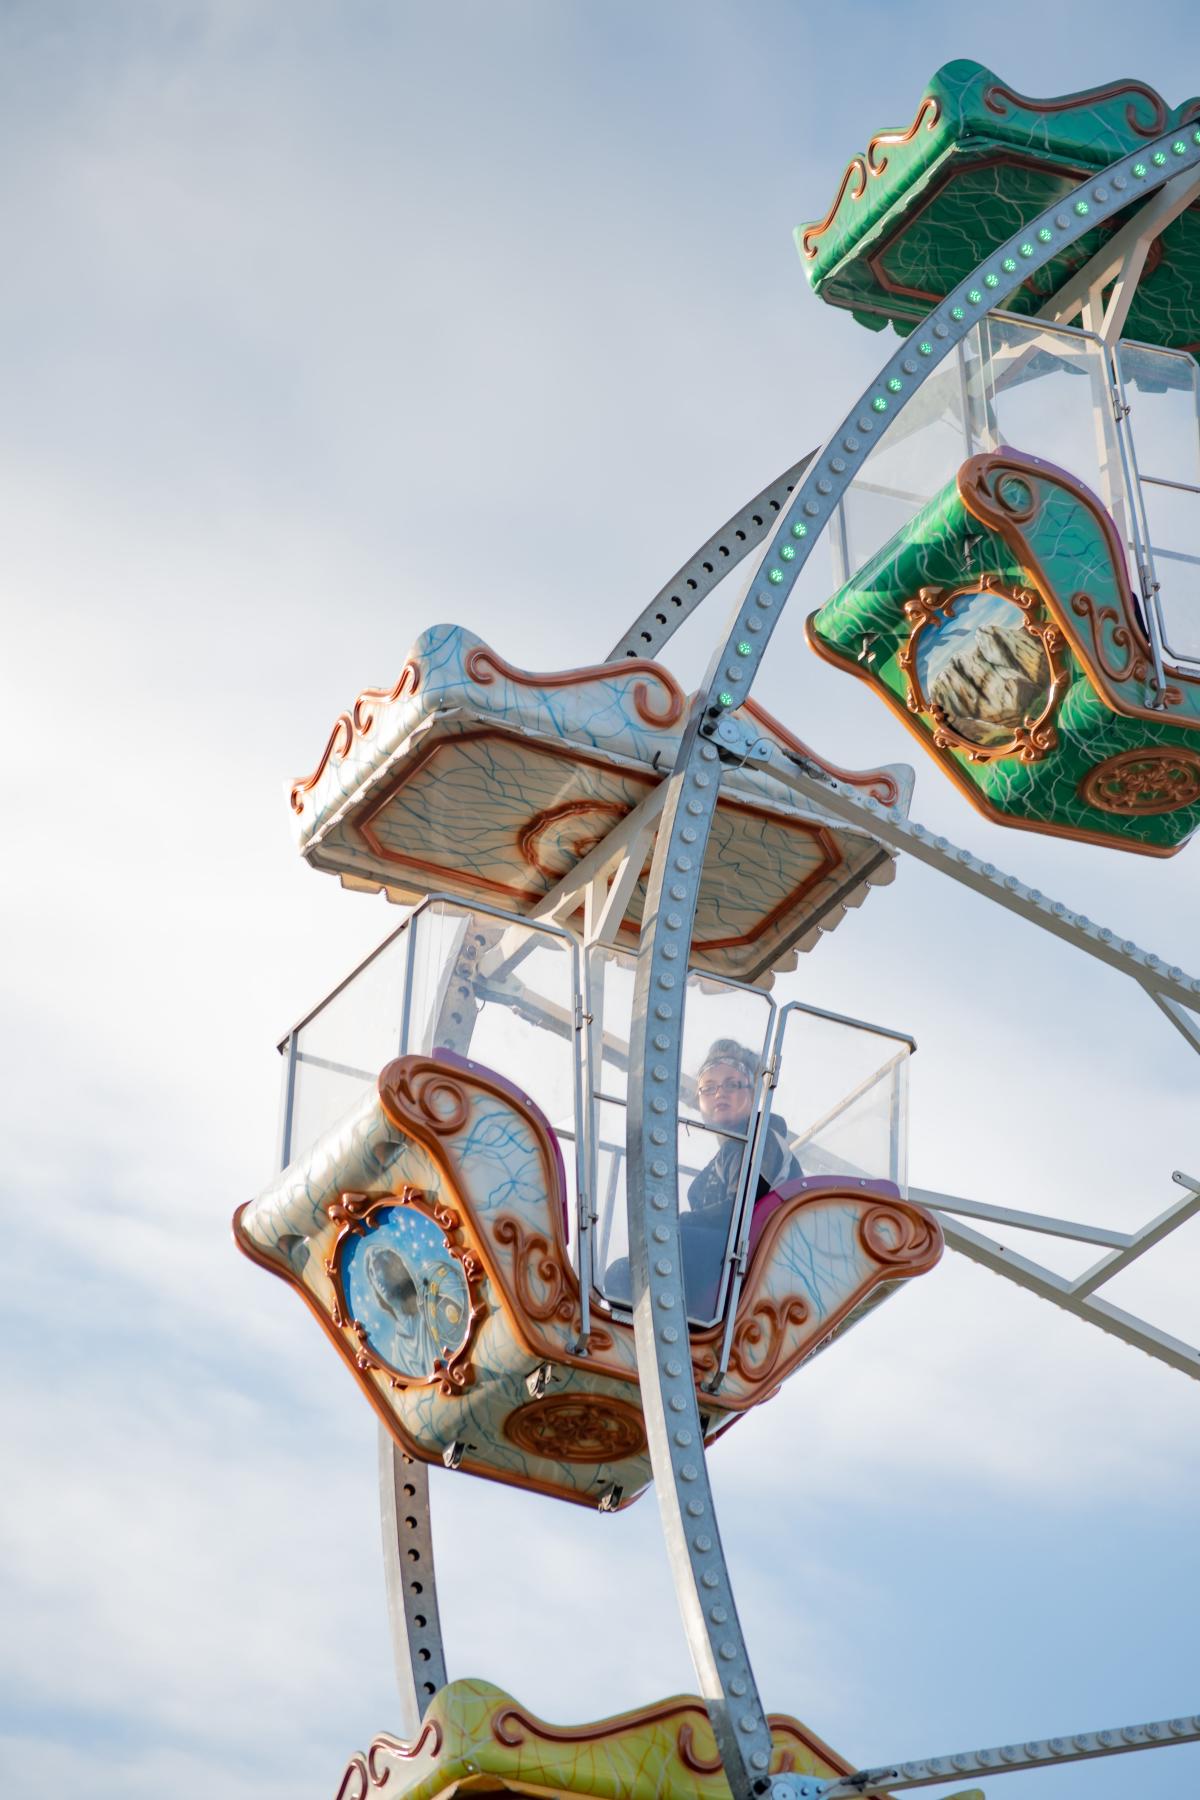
708, 1090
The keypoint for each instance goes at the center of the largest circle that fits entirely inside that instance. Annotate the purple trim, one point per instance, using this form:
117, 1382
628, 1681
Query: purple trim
809, 1186
523, 1104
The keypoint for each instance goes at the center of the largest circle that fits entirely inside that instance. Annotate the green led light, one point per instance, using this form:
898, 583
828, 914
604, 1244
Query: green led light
895, 384
775, 575
1026, 250
879, 403
799, 529
1139, 170
975, 297
1009, 264
1045, 234
1179, 147
925, 349
787, 551
743, 648
956, 312
725, 699
991, 281
1196, 137
1082, 207
1159, 158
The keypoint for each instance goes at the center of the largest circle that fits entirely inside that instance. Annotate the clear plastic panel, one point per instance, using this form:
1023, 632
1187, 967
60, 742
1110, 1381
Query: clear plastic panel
732, 1024
841, 1095
501, 993
1011, 382
1173, 521
1161, 391
920, 453
610, 1005
445, 935
715, 1012
343, 1046
712, 1167
726, 1037
610, 1254
1047, 391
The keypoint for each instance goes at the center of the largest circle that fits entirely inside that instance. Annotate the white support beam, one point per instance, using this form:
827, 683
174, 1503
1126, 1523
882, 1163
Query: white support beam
1122, 259
1025, 1221
1143, 1240
899, 833
603, 928
637, 827
1004, 1759
1077, 1296
581, 886
1184, 1022
1049, 1286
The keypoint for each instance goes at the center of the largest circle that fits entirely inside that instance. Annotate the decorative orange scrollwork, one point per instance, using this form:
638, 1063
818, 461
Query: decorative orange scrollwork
429, 1739
689, 1756
536, 838
928, 114
995, 680
782, 1761
577, 1428
424, 1094
452, 1372
855, 170
483, 665
999, 99
761, 1338
354, 1782
1084, 607
532, 1251
363, 717
340, 740
859, 168
1140, 783
358, 722
977, 479
900, 1237
512, 1727
1015, 496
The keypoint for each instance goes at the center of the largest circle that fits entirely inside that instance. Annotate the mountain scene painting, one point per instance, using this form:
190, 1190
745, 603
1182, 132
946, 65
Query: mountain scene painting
983, 670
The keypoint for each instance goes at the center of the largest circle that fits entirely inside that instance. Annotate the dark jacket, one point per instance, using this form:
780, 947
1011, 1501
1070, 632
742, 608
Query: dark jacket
715, 1187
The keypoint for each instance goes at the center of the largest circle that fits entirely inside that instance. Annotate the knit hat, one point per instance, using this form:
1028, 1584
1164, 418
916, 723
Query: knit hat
728, 1050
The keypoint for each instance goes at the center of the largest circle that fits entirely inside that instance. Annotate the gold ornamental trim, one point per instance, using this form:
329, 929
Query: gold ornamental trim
1030, 741
1143, 783
452, 1372
578, 1428
861, 168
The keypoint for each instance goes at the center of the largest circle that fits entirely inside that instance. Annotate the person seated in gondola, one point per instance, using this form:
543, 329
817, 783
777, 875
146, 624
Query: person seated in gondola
725, 1092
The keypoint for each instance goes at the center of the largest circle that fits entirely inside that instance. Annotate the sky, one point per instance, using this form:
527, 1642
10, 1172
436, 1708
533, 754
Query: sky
321, 324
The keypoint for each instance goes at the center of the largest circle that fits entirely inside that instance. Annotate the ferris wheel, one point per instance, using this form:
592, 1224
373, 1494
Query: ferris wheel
566, 1177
